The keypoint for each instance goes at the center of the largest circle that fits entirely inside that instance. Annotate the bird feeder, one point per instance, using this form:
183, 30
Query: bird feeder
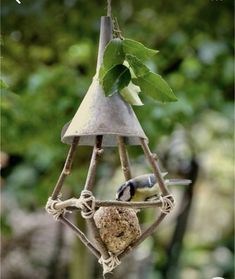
104, 122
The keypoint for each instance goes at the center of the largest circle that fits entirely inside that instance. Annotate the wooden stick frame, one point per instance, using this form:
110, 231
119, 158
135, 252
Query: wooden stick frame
99, 249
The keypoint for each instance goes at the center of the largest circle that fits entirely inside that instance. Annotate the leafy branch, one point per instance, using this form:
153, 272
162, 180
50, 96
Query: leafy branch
124, 71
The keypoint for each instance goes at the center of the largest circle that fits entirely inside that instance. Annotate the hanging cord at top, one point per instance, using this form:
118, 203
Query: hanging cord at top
109, 8
116, 30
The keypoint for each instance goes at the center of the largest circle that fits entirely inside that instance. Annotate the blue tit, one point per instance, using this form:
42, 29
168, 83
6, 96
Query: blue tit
144, 187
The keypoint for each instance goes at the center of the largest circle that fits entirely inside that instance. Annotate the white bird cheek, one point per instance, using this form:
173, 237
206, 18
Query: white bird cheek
126, 196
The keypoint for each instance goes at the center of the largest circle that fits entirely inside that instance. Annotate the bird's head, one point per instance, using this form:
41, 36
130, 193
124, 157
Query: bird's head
125, 192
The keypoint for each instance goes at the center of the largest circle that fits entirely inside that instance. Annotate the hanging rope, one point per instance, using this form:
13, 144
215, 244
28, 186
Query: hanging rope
109, 8
110, 263
167, 203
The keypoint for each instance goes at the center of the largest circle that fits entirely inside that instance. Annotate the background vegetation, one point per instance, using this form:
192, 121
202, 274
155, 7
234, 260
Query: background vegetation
48, 57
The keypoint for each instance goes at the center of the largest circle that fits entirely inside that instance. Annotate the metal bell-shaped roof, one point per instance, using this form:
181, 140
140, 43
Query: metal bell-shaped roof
101, 115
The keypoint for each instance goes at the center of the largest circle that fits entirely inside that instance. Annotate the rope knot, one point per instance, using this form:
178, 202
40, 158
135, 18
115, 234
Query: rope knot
167, 203
51, 209
110, 263
87, 204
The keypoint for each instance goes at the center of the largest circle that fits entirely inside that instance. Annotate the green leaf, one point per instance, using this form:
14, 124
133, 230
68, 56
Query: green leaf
137, 66
156, 87
137, 49
116, 79
130, 94
113, 54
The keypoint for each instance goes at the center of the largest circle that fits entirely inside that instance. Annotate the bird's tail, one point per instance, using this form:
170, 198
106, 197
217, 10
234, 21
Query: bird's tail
183, 182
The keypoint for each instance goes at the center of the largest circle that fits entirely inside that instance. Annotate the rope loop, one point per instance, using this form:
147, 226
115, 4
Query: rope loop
167, 203
87, 204
110, 263
55, 212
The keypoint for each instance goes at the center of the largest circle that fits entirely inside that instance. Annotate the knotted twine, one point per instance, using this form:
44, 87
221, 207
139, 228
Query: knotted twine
167, 203
86, 203
110, 263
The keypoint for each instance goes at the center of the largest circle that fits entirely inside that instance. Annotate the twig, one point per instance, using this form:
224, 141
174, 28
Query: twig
143, 236
156, 170
97, 151
124, 158
67, 168
70, 204
146, 204
81, 235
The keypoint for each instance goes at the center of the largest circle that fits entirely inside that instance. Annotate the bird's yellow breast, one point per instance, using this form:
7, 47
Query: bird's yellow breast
141, 194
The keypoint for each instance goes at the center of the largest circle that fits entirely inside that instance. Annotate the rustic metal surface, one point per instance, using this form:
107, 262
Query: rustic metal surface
100, 115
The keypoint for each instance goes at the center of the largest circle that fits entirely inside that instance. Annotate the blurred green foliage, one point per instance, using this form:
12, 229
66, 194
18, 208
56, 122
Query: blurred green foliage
49, 53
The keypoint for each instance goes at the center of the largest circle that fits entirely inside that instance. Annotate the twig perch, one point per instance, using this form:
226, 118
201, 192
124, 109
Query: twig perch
71, 204
137, 205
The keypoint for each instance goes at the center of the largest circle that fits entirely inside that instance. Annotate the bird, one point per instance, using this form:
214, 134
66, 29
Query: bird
144, 187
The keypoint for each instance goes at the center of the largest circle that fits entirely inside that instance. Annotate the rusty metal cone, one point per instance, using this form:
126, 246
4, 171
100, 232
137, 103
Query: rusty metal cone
101, 115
